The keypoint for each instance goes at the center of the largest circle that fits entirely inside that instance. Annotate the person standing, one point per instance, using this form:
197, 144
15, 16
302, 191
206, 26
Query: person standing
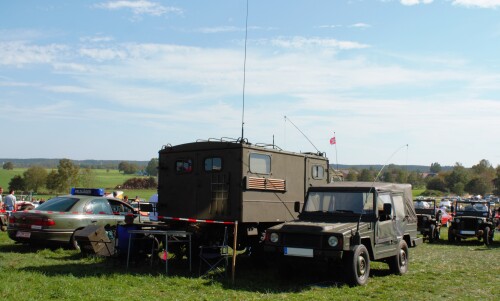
10, 201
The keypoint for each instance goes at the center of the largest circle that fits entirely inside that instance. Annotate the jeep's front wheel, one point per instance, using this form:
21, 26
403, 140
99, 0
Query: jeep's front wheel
357, 265
486, 236
398, 264
451, 236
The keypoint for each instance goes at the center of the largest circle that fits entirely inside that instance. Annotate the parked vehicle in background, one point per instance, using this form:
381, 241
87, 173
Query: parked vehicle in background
472, 219
56, 220
349, 224
429, 219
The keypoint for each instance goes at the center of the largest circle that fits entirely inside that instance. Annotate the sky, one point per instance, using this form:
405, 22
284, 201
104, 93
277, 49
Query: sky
403, 81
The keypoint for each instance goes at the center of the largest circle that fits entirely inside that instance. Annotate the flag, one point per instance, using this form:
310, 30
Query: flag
333, 140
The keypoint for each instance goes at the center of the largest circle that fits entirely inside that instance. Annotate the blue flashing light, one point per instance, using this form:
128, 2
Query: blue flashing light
88, 191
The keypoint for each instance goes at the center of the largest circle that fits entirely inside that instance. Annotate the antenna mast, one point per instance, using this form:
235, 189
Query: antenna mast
244, 79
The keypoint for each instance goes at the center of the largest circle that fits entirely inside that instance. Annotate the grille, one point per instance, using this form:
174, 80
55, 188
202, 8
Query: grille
302, 240
468, 224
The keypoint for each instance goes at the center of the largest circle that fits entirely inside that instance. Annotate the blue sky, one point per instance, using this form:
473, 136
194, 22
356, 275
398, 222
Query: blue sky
119, 79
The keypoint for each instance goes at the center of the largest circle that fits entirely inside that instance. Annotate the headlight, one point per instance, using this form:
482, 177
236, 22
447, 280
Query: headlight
274, 237
479, 221
424, 218
333, 241
457, 220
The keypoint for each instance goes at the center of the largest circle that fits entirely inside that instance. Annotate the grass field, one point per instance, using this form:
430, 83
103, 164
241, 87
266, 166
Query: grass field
440, 271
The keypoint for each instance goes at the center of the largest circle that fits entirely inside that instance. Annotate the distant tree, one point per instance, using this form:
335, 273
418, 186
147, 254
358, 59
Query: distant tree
68, 174
87, 178
131, 169
415, 179
436, 183
458, 175
388, 177
352, 175
366, 175
496, 181
478, 186
17, 183
152, 168
458, 188
401, 176
435, 167
35, 177
482, 167
52, 182
8, 166
122, 166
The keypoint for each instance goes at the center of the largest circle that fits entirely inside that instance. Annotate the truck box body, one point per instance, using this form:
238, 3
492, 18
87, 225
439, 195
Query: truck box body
233, 181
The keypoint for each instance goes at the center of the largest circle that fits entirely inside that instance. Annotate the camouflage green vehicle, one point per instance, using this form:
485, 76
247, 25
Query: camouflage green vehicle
472, 219
429, 219
349, 224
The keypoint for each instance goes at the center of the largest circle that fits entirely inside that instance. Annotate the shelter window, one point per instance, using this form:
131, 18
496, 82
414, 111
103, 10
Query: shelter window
318, 172
213, 164
184, 166
260, 163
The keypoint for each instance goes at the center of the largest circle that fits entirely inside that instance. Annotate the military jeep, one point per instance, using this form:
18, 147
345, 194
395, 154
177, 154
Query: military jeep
472, 219
347, 225
429, 219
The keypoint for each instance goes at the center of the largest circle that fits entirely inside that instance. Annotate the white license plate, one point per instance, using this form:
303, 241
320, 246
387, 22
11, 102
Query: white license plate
23, 234
298, 252
36, 227
467, 232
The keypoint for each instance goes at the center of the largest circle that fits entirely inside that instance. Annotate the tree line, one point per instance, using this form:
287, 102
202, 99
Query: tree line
68, 174
480, 179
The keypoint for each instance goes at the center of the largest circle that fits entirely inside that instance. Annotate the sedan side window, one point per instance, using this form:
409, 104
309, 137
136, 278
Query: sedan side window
99, 206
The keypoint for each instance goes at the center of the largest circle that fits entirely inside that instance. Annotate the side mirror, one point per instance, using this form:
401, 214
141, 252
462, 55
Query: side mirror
387, 209
296, 206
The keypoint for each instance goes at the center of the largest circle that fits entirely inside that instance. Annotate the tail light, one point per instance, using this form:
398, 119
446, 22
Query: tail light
44, 222
12, 219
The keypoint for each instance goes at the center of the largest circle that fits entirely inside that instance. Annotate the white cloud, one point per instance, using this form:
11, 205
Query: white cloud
140, 7
415, 2
220, 29
477, 3
360, 25
21, 53
96, 39
303, 42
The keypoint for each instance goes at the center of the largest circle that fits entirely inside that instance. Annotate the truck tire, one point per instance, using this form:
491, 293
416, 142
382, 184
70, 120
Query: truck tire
357, 266
398, 264
486, 236
432, 229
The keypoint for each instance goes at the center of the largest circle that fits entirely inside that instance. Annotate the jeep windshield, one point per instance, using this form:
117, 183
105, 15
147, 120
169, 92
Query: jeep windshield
339, 202
472, 208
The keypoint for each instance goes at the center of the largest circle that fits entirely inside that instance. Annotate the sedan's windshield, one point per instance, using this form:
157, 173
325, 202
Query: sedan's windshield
351, 202
60, 204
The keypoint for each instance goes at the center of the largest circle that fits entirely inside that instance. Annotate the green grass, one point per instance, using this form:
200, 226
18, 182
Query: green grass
439, 271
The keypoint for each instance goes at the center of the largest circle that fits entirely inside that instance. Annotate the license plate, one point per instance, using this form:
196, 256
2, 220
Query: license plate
467, 232
298, 252
23, 234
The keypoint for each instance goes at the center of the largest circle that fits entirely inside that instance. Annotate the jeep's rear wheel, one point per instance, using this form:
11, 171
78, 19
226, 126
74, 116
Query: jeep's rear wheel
431, 233
357, 266
437, 234
486, 236
398, 264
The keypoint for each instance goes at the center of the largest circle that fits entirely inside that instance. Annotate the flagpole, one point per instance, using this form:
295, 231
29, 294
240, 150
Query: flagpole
336, 159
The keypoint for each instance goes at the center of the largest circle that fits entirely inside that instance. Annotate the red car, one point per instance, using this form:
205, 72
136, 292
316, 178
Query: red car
446, 218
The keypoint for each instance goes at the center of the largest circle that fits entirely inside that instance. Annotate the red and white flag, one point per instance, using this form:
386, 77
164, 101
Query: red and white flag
333, 140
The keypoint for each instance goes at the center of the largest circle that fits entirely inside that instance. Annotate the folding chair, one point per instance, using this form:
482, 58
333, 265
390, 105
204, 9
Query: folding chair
214, 257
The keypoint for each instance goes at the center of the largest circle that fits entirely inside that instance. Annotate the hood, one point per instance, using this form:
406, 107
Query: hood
316, 227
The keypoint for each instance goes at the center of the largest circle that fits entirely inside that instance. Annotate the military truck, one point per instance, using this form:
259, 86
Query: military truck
347, 225
232, 180
429, 219
472, 219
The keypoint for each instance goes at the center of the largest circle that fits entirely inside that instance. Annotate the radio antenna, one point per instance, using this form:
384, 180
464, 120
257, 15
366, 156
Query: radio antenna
302, 133
244, 78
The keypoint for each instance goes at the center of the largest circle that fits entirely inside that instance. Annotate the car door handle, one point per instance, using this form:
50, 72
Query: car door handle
93, 222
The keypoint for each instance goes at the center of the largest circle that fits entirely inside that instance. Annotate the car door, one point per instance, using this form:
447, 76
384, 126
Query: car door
385, 238
100, 212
